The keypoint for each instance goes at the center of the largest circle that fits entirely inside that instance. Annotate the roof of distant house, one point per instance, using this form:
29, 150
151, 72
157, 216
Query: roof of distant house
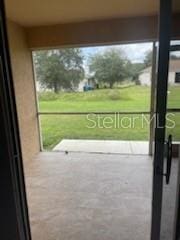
173, 67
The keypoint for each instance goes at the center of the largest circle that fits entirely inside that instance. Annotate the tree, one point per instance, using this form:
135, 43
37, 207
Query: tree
148, 59
109, 67
134, 70
59, 69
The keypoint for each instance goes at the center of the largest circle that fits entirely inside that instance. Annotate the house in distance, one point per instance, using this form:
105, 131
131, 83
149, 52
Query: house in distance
174, 74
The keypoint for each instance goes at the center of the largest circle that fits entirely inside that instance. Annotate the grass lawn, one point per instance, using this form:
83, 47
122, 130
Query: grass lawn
132, 98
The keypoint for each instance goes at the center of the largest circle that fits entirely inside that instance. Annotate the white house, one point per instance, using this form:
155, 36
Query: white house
87, 82
174, 74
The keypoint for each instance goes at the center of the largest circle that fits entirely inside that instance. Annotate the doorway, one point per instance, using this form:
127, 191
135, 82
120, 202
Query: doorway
91, 182
105, 108
74, 182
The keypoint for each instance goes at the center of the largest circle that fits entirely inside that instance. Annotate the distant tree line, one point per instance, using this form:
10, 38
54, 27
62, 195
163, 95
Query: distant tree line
63, 69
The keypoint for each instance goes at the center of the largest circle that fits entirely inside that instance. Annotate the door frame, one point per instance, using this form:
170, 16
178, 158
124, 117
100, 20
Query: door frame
152, 98
10, 143
161, 103
14, 218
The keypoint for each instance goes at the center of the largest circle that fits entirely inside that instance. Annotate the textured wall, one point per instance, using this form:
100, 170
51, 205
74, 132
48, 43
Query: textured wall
120, 30
93, 32
24, 90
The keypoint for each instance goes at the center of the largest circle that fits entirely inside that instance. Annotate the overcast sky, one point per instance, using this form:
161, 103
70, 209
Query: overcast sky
135, 52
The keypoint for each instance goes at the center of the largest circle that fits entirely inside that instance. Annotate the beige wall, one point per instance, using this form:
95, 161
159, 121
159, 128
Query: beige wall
24, 90
121, 30
93, 32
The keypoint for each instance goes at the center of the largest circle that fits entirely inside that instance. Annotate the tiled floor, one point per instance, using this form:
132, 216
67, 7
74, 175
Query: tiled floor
81, 196
103, 146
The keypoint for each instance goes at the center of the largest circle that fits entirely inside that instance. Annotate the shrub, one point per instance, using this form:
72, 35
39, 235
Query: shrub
114, 95
47, 96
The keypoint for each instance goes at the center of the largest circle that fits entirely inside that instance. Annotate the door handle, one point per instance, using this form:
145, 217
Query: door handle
169, 159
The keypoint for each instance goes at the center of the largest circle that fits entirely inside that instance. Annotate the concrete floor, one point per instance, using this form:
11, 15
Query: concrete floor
81, 196
103, 146
169, 207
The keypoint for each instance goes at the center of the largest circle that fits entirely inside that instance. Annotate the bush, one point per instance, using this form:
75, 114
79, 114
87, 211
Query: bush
114, 95
47, 96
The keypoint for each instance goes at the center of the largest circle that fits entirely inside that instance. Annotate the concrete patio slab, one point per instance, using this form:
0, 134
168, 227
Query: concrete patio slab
82, 196
103, 146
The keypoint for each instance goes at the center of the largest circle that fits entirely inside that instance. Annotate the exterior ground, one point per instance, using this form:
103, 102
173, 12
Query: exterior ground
103, 146
123, 127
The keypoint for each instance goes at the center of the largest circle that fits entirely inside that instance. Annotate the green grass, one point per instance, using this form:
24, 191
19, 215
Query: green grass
132, 98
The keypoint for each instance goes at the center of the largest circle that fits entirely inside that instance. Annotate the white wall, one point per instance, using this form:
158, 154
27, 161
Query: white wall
171, 78
145, 78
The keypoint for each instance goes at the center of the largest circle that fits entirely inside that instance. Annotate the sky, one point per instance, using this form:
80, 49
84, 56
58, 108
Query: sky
134, 52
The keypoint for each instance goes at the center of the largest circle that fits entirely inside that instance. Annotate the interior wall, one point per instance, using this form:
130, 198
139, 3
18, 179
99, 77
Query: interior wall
22, 68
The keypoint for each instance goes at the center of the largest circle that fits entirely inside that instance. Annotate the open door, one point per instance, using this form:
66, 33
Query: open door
163, 146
